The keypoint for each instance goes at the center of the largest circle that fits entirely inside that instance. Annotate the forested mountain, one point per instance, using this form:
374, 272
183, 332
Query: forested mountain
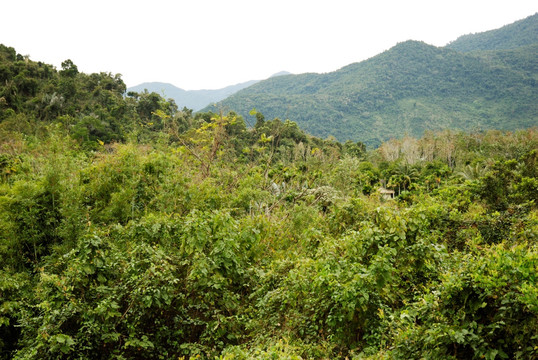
130, 229
520, 33
408, 89
192, 99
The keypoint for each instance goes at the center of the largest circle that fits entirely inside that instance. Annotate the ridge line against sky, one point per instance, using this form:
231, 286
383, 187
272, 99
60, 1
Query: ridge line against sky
209, 44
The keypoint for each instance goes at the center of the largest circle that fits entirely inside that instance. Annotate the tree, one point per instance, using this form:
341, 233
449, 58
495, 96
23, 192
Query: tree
356, 149
69, 69
260, 119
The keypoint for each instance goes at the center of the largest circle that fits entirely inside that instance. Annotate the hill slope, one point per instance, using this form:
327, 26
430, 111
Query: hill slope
410, 88
520, 33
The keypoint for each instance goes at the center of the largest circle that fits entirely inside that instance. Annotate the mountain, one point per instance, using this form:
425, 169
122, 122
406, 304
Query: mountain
520, 33
192, 99
408, 89
281, 73
195, 99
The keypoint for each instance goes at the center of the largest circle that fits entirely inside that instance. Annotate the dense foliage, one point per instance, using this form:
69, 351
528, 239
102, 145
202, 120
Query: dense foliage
130, 229
408, 89
92, 108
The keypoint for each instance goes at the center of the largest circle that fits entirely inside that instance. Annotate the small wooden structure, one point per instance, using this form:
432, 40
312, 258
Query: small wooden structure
386, 194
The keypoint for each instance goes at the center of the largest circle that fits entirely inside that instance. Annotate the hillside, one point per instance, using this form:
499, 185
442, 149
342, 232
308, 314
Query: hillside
93, 107
523, 59
408, 89
520, 33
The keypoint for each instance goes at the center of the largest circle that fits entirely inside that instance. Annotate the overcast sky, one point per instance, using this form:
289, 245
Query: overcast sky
209, 44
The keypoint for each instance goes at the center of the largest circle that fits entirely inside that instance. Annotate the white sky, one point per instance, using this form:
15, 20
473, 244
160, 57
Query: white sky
209, 44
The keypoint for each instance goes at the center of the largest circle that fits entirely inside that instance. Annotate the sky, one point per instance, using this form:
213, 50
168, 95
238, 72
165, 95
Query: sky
210, 44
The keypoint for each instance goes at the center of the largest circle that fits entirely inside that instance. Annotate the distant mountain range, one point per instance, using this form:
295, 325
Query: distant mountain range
480, 81
194, 99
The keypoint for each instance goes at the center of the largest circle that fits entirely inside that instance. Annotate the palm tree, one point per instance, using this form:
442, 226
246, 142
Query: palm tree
473, 172
403, 176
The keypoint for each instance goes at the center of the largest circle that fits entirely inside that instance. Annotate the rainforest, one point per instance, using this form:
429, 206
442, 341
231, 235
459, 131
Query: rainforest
130, 229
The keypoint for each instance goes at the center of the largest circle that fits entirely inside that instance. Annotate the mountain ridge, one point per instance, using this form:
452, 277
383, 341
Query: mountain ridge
408, 89
523, 32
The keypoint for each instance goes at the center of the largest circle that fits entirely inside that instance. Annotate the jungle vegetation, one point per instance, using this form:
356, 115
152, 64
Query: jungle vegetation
131, 229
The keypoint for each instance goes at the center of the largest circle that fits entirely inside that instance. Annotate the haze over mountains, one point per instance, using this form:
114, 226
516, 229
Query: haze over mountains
195, 99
